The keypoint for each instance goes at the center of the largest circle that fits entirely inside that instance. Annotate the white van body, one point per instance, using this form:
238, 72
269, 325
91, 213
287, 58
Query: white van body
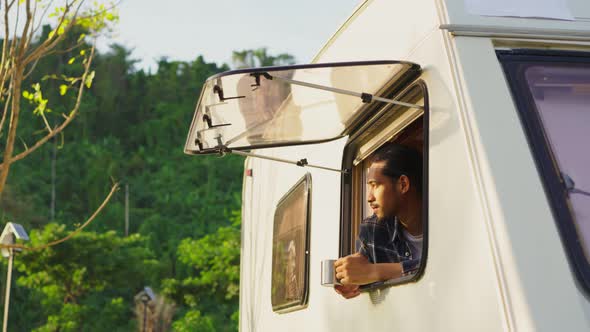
495, 258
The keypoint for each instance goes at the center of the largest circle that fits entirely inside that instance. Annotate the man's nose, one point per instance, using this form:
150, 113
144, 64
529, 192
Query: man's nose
370, 196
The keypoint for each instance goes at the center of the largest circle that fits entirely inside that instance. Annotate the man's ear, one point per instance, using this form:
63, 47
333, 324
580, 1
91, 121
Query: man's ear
403, 184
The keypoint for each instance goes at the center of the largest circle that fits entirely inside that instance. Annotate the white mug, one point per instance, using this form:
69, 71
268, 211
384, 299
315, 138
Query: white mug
329, 273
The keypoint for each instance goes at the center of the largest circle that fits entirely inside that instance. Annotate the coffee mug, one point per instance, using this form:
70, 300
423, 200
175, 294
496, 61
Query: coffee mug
329, 273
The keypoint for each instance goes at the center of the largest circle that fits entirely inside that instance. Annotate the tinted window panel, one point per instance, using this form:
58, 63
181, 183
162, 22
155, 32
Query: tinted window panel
562, 98
551, 90
290, 254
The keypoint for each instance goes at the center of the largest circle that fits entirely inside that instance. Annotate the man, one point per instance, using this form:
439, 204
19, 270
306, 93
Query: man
391, 239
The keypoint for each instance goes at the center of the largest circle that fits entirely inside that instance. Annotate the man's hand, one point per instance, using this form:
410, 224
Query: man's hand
355, 270
347, 291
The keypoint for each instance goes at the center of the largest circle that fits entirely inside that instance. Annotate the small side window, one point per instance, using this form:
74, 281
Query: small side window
290, 254
396, 128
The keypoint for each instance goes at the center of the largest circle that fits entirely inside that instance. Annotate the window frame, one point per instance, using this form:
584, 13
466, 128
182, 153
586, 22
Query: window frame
513, 62
303, 302
346, 197
412, 71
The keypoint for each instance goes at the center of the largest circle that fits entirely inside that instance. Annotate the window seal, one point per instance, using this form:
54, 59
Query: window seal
550, 176
346, 186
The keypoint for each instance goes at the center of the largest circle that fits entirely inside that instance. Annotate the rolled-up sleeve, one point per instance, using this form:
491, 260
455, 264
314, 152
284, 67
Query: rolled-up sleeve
410, 266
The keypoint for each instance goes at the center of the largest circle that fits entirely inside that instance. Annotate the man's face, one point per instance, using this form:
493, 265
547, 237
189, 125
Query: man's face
382, 194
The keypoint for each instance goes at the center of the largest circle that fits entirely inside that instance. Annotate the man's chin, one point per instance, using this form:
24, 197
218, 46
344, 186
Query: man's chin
381, 217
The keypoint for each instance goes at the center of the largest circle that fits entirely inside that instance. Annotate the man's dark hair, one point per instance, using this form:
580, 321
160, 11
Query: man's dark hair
401, 160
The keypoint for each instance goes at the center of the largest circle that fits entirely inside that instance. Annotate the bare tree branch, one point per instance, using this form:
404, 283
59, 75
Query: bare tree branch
7, 103
10, 4
9, 48
24, 143
69, 49
4, 46
32, 28
16, 81
14, 38
73, 233
31, 69
24, 38
106, 9
46, 123
42, 17
50, 43
3, 69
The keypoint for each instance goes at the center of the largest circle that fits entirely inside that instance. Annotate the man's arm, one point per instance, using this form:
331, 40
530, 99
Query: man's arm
347, 291
357, 270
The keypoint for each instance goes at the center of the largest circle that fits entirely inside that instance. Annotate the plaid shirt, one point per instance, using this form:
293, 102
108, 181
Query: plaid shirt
383, 242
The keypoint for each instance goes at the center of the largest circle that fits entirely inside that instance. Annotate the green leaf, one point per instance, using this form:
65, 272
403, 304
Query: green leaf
39, 109
63, 89
72, 60
27, 95
89, 79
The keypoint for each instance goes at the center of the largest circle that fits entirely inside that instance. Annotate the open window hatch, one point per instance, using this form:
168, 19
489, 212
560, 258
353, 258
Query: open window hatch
243, 110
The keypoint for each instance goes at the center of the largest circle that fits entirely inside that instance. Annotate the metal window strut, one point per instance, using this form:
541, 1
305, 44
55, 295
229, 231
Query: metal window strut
366, 97
570, 186
300, 163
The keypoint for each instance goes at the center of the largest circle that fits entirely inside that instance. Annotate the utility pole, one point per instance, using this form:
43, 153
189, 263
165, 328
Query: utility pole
53, 177
126, 209
8, 283
9, 235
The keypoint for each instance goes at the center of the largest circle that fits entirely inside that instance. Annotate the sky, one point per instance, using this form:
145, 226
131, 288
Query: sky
184, 29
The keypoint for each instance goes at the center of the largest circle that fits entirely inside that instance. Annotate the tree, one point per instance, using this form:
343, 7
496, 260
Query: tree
260, 58
22, 50
22, 92
131, 125
194, 321
173, 196
212, 289
208, 286
91, 275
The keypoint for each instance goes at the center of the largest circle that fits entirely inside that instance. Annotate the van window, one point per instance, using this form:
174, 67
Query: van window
390, 125
411, 136
552, 91
290, 252
280, 106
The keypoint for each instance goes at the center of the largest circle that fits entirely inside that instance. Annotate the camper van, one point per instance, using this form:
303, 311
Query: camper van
496, 97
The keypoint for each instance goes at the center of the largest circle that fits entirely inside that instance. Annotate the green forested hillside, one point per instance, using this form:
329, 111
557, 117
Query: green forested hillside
184, 211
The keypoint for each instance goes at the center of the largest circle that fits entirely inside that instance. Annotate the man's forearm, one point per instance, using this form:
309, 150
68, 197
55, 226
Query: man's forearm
387, 271
357, 270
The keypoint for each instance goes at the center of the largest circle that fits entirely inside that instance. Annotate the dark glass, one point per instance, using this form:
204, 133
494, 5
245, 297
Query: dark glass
290, 252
